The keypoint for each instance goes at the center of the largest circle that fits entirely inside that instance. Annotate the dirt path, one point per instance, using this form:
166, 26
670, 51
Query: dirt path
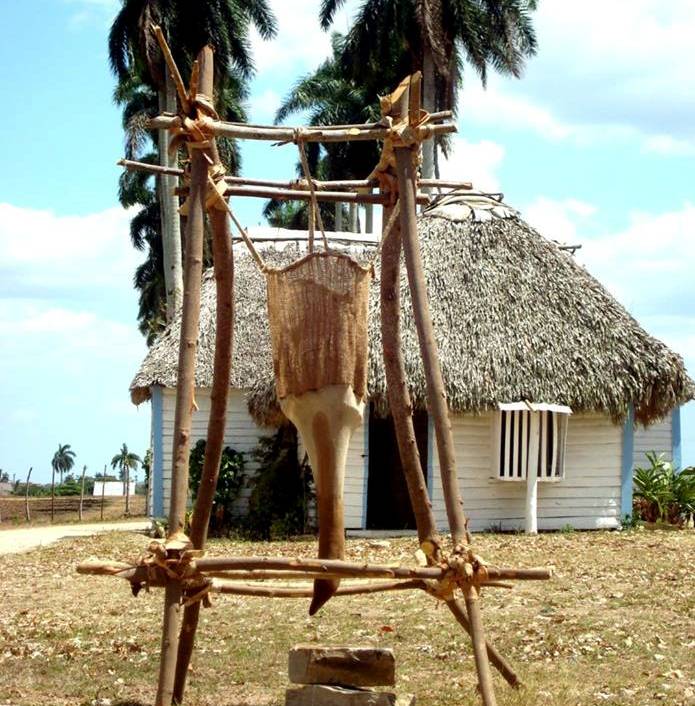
14, 541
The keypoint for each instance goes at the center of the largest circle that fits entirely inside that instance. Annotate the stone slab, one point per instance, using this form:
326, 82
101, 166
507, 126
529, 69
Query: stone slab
323, 695
347, 666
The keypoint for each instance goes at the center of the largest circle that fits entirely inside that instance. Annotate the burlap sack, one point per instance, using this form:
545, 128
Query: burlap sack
317, 308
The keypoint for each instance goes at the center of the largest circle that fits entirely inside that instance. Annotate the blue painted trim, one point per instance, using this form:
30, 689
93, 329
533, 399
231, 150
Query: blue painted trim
365, 457
676, 451
430, 454
157, 451
627, 463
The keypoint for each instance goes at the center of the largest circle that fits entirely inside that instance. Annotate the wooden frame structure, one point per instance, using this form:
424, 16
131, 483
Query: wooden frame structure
179, 565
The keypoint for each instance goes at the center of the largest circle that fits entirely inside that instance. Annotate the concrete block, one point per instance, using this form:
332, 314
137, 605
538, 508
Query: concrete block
348, 666
322, 695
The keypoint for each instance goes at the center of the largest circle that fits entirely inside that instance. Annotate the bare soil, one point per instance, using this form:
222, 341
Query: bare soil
12, 511
615, 626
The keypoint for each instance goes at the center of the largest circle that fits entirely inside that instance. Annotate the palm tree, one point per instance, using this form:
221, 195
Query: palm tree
145, 88
125, 460
63, 460
330, 96
437, 37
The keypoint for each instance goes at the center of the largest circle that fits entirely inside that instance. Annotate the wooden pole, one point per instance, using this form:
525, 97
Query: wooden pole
185, 389
300, 184
223, 261
103, 490
436, 395
27, 514
397, 391
53, 493
84, 470
477, 633
497, 660
282, 134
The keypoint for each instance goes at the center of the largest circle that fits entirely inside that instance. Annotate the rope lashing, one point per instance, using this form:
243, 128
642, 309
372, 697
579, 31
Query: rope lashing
315, 211
222, 201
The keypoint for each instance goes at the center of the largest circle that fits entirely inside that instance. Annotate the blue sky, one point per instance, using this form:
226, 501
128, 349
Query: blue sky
595, 145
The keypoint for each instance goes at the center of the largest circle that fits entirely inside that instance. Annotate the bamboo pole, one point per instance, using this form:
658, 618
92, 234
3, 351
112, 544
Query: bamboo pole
282, 134
84, 470
223, 262
27, 514
185, 390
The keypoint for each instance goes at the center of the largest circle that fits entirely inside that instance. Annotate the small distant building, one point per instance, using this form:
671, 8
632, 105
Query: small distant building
6, 488
549, 380
113, 488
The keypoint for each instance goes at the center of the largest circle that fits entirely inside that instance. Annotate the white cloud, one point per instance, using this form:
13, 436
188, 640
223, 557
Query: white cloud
604, 71
647, 265
263, 106
558, 220
300, 44
41, 251
473, 161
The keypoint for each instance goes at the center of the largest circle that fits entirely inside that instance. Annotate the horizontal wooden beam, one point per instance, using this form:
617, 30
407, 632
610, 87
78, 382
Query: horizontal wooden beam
282, 134
299, 184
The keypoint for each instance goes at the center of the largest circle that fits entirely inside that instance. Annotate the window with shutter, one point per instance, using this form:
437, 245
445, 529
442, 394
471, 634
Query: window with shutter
517, 454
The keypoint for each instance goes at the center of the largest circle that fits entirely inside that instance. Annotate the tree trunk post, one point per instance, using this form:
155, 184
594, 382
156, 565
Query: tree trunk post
397, 390
223, 260
53, 494
472, 598
103, 490
27, 514
127, 489
436, 394
84, 470
338, 216
185, 389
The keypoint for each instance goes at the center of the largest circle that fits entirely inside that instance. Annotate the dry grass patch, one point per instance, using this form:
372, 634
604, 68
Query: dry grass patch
615, 626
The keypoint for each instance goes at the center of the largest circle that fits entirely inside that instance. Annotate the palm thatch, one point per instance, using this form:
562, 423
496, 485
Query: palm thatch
516, 317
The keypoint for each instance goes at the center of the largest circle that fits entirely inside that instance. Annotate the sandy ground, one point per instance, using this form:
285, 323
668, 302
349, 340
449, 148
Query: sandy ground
15, 541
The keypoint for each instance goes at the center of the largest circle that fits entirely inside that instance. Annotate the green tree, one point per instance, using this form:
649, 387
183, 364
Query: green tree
63, 460
125, 460
436, 37
329, 95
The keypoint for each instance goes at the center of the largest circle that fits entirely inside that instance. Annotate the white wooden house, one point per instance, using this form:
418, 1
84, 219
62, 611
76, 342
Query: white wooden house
545, 372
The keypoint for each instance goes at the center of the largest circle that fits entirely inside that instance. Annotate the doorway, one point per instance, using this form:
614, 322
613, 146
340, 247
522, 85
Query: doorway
388, 503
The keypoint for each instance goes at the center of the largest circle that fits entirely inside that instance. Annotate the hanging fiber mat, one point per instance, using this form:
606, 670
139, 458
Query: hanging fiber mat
317, 308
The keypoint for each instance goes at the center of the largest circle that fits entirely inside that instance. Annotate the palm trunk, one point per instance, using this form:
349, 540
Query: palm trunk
168, 204
84, 470
127, 490
429, 104
338, 217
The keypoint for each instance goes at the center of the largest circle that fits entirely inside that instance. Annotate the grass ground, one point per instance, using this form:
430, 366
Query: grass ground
615, 626
13, 515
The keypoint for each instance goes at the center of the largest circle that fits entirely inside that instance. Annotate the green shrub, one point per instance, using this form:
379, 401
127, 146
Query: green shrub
229, 485
662, 493
281, 489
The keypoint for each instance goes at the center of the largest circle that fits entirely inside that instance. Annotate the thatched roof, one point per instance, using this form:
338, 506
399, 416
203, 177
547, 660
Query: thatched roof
516, 318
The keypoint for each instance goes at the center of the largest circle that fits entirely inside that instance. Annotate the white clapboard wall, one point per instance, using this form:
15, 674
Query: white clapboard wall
587, 498
656, 437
